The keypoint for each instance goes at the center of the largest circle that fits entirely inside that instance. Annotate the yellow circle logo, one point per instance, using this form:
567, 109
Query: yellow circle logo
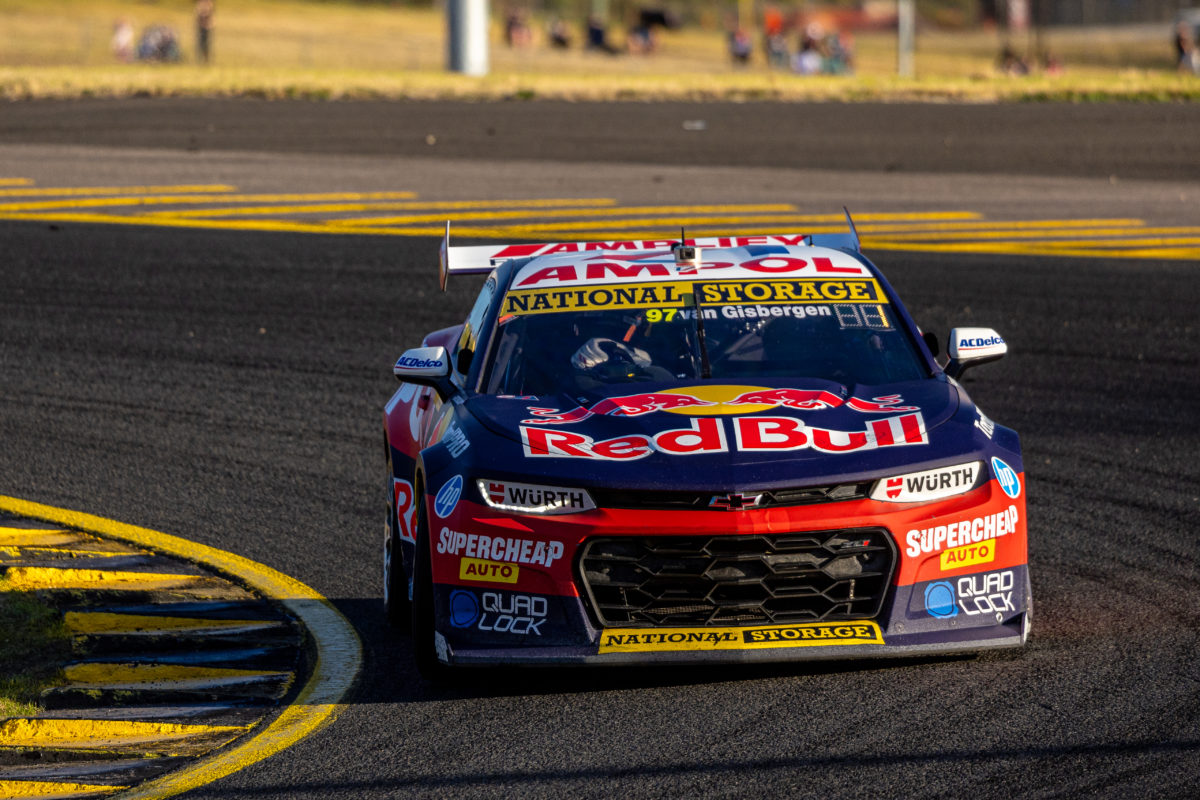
720, 400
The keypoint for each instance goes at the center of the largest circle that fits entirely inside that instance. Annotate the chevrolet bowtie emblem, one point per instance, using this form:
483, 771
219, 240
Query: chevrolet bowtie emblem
734, 502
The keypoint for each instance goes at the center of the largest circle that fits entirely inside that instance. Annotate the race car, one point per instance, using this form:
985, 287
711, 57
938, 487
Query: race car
723, 449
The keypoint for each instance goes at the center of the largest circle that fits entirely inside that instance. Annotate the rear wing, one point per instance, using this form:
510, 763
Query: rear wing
481, 259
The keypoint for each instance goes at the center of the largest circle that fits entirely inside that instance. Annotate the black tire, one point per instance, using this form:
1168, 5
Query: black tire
396, 605
423, 631
1027, 623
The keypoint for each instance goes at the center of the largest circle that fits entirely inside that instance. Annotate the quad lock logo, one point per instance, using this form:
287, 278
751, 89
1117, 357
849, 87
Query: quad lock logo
494, 612
990, 593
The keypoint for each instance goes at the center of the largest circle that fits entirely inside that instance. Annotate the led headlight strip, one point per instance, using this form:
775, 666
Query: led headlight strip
531, 498
929, 485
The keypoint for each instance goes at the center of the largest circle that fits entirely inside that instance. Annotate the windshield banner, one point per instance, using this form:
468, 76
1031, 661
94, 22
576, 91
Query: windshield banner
680, 295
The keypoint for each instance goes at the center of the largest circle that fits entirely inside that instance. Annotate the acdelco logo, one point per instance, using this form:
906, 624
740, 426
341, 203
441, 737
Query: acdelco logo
984, 341
418, 363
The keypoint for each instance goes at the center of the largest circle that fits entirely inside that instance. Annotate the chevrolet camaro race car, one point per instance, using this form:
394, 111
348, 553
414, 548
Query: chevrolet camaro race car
720, 449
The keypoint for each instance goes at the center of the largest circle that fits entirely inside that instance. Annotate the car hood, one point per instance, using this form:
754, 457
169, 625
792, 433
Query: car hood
723, 435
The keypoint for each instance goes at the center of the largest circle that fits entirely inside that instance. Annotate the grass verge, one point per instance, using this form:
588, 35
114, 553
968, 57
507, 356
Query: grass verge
34, 644
65, 83
276, 49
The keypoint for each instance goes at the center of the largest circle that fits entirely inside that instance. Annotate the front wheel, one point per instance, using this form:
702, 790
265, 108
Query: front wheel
424, 631
395, 585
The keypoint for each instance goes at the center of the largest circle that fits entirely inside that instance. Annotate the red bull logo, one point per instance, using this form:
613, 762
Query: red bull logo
716, 400
802, 399
633, 405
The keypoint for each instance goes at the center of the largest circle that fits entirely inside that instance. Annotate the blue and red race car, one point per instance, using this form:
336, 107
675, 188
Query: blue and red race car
719, 449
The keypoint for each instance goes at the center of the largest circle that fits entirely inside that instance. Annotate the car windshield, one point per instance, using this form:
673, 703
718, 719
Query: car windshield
586, 350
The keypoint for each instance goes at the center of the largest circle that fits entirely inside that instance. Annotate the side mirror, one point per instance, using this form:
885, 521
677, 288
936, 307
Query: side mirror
426, 366
970, 347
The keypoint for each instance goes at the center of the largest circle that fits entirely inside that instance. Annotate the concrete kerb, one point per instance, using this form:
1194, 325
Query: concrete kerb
338, 650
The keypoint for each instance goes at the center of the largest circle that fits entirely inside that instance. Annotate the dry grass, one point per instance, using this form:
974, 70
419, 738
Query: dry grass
286, 48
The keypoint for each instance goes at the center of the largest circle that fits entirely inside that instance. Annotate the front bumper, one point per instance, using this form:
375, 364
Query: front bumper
509, 590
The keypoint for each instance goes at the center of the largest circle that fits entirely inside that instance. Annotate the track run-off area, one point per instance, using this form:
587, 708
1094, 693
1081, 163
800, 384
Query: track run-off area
198, 318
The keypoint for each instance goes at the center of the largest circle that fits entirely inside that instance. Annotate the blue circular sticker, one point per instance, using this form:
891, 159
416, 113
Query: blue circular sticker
1007, 476
939, 600
464, 608
447, 498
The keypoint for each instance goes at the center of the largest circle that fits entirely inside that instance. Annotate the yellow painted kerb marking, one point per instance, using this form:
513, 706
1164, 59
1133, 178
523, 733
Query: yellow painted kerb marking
50, 790
102, 622
186, 199
67, 552
86, 191
93, 734
103, 675
339, 653
33, 578
33, 537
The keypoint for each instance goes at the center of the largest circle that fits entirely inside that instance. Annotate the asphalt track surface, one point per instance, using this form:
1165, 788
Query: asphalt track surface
1127, 140
227, 387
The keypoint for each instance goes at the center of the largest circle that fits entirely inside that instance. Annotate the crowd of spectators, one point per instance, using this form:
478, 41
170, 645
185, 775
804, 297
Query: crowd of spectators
641, 37
790, 41
819, 49
159, 43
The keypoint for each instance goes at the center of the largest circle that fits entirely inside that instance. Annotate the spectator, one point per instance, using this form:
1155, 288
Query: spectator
810, 60
158, 43
516, 30
1010, 63
739, 47
1186, 59
204, 26
839, 56
774, 38
1051, 64
122, 41
597, 36
640, 40
559, 34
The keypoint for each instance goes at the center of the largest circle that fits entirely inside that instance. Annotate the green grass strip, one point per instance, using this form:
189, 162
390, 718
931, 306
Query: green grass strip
34, 643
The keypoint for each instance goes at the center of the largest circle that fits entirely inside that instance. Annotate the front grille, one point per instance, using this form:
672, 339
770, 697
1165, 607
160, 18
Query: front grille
806, 495
668, 581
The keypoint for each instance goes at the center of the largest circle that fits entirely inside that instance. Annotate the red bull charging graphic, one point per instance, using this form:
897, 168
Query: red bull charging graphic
749, 401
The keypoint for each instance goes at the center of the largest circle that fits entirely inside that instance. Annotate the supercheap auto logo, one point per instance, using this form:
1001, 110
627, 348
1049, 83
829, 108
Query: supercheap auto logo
809, 634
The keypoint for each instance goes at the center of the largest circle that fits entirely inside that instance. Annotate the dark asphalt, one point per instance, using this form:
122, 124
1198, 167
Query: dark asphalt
227, 387
1126, 140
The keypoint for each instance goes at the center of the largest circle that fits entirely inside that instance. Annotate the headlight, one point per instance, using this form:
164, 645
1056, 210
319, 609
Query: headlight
532, 498
932, 484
